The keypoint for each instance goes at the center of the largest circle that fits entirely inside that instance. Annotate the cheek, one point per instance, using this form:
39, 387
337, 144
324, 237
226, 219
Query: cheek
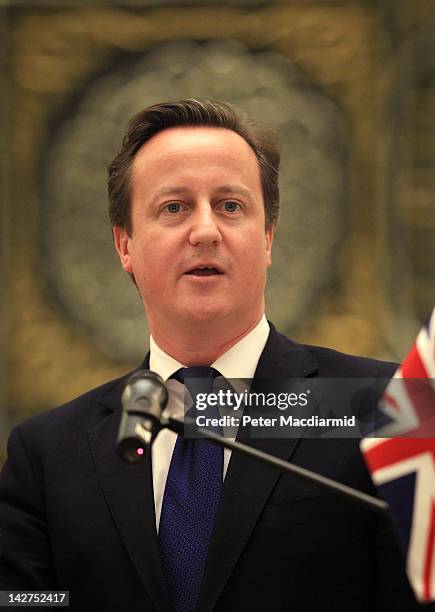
159, 243
252, 276
254, 257
147, 249
153, 260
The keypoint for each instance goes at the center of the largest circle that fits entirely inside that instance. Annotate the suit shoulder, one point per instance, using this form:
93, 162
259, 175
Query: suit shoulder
82, 411
335, 363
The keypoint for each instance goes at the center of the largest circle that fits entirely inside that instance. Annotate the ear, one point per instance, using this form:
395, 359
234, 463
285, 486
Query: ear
122, 245
269, 240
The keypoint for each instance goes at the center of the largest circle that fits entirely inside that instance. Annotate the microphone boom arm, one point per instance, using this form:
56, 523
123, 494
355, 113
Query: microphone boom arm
373, 503
143, 400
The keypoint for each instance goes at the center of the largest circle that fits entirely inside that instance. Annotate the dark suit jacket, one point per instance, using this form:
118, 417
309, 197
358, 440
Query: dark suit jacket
73, 517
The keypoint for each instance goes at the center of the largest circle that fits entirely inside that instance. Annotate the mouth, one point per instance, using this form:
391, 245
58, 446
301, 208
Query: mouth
204, 271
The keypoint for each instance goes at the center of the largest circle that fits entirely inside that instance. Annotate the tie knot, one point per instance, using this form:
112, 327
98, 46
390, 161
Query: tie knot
195, 372
197, 379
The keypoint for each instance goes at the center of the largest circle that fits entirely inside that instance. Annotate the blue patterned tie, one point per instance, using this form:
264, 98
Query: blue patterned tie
192, 493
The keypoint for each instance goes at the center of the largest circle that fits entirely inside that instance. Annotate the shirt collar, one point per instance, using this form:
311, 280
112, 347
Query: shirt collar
240, 361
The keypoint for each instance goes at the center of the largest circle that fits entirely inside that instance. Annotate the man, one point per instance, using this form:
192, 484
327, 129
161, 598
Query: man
194, 203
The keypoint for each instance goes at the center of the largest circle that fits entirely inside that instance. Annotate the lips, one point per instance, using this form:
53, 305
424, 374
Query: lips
205, 270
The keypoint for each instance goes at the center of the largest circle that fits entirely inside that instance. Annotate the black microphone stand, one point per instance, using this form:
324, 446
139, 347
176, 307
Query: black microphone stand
373, 503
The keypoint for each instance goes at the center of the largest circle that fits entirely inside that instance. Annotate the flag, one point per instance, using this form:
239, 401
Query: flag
401, 459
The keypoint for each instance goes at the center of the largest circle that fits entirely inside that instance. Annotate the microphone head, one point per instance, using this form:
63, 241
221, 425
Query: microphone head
143, 401
132, 449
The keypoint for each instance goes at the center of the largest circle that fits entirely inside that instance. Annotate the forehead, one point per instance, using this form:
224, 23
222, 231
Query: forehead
181, 150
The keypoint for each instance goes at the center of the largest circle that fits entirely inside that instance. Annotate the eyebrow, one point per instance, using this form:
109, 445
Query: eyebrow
235, 189
168, 191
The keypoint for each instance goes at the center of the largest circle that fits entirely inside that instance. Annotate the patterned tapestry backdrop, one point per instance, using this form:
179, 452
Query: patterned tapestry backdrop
347, 85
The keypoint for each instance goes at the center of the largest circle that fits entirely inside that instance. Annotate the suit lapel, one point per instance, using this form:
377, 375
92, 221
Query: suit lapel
128, 491
247, 484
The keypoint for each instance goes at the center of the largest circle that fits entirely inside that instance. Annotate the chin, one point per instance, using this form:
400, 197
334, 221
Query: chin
206, 313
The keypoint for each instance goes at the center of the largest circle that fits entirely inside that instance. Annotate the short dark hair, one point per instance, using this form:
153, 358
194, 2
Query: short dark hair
188, 113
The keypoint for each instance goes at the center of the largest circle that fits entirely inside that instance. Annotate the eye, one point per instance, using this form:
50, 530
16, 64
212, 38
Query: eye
173, 207
231, 206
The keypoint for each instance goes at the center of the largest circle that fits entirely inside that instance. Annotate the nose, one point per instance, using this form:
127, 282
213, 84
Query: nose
204, 226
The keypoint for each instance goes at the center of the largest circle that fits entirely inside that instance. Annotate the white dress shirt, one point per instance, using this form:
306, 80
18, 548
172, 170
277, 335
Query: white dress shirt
240, 361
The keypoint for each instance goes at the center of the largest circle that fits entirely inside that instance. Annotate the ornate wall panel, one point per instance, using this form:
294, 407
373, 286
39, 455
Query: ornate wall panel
348, 85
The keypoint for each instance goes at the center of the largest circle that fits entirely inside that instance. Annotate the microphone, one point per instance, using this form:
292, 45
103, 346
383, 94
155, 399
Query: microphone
143, 401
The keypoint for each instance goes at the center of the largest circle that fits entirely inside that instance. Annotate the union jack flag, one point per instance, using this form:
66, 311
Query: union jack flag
401, 459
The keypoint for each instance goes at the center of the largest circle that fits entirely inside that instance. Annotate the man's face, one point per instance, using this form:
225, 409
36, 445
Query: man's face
198, 248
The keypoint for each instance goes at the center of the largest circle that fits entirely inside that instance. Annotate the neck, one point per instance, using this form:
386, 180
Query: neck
200, 346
